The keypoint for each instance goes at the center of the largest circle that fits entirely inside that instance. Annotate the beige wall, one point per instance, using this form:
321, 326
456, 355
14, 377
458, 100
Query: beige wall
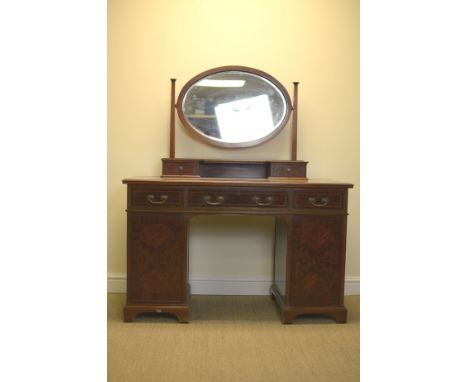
315, 42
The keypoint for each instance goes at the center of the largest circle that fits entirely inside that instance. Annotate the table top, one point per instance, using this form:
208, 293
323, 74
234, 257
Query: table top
261, 182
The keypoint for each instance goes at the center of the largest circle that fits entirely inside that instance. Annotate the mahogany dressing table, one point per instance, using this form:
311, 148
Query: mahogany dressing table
310, 216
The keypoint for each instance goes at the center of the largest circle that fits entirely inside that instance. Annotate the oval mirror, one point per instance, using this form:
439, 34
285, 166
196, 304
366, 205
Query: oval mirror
234, 106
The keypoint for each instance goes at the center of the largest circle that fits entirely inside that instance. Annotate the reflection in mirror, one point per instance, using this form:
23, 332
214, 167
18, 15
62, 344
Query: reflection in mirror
244, 120
235, 108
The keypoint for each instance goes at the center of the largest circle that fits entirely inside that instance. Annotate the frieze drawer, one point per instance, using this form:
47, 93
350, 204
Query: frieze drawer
231, 198
156, 197
319, 199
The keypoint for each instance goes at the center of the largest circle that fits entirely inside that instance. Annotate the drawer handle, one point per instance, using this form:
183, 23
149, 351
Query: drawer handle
323, 201
162, 199
219, 200
268, 201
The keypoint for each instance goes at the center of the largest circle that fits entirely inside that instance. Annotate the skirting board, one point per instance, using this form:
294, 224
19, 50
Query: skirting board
217, 286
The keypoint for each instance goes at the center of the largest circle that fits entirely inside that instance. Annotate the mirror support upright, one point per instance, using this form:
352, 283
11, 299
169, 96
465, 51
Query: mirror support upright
294, 125
172, 132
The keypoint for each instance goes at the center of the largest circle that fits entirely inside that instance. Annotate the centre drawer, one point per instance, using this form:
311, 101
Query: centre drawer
237, 198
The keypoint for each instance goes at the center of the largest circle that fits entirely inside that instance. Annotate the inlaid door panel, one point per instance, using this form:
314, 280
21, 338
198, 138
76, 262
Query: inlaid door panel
317, 260
157, 258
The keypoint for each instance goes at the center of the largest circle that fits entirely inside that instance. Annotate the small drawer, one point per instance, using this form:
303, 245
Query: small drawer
288, 169
155, 197
175, 167
319, 199
229, 198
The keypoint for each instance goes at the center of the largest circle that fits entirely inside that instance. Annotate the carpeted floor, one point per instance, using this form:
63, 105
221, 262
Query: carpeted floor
232, 338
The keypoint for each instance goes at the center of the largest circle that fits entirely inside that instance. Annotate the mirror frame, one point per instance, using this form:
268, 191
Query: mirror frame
205, 138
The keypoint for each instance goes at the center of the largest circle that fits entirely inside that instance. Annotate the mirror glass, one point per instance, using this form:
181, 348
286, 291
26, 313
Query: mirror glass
234, 108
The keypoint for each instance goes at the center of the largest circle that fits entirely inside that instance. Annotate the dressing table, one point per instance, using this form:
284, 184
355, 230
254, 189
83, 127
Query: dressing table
310, 215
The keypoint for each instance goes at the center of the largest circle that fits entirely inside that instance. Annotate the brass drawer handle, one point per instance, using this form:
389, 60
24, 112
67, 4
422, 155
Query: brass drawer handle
323, 201
268, 201
219, 200
162, 199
